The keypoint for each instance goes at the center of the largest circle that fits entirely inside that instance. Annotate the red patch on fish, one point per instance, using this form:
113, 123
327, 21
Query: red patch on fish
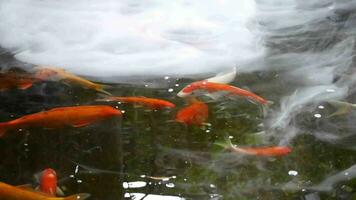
48, 182
194, 114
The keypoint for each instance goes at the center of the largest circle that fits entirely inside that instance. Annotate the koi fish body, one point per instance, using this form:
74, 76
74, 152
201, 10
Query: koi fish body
263, 151
76, 116
194, 114
151, 103
9, 192
212, 87
51, 73
16, 81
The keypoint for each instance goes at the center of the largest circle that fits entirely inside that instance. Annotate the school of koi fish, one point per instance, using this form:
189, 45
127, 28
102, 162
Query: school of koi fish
194, 114
107, 107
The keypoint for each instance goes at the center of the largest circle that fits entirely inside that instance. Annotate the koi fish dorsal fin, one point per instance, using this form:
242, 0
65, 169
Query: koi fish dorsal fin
79, 196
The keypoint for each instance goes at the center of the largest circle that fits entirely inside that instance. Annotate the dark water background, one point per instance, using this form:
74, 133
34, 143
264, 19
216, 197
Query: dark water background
112, 159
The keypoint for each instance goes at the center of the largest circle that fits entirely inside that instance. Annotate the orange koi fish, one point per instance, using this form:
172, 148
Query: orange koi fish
76, 116
257, 151
51, 73
9, 192
194, 114
151, 103
211, 87
48, 182
263, 151
19, 81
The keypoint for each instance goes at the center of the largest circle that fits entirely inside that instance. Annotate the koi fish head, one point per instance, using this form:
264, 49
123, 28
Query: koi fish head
168, 104
189, 89
48, 182
109, 111
285, 150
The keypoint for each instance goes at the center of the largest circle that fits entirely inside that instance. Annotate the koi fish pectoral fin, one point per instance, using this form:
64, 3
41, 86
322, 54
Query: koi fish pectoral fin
24, 86
79, 196
25, 187
342, 108
104, 92
59, 191
225, 143
214, 96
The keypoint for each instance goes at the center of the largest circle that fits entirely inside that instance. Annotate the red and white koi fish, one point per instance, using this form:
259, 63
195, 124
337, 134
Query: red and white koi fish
76, 116
212, 87
151, 103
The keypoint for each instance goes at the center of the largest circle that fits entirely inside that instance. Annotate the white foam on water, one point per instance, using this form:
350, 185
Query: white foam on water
311, 45
123, 38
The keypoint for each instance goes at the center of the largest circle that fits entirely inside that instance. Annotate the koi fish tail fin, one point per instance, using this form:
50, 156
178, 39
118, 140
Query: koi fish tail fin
269, 103
225, 77
265, 107
3, 128
225, 143
342, 108
79, 196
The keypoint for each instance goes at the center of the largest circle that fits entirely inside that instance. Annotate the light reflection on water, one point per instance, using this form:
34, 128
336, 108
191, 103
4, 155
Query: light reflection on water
151, 196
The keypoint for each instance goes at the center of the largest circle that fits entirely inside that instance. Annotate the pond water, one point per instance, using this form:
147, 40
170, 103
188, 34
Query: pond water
147, 155
306, 61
